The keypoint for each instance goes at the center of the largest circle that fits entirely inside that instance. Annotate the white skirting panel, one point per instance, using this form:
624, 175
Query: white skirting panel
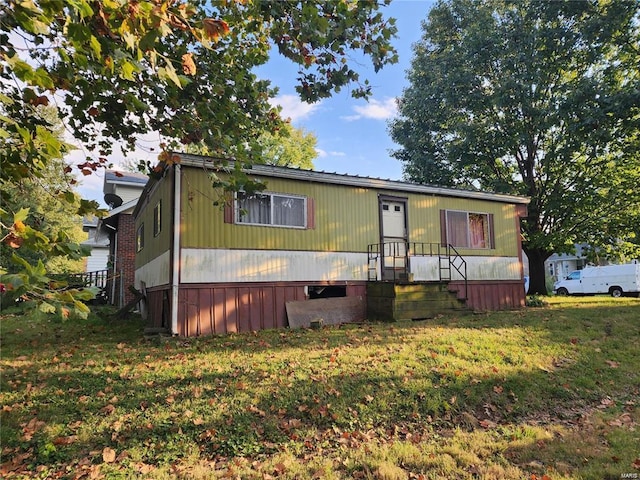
478, 268
154, 273
221, 266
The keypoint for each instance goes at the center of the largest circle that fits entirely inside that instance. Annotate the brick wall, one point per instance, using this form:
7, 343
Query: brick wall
126, 253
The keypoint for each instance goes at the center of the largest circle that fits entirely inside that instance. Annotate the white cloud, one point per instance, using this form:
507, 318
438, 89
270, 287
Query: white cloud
374, 109
333, 153
293, 107
90, 186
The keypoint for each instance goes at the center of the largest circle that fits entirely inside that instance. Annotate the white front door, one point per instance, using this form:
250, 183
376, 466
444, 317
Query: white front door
394, 238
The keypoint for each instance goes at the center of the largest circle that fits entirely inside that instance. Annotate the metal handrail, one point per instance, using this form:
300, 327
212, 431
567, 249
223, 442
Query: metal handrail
449, 253
459, 264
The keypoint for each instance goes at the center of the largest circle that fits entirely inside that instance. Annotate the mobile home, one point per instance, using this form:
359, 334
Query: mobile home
208, 269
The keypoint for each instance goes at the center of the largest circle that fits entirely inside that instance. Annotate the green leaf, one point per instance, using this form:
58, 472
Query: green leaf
88, 293
22, 69
82, 7
43, 79
45, 307
21, 215
127, 70
81, 308
169, 73
96, 47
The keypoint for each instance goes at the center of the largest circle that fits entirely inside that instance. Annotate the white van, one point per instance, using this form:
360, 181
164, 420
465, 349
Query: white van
616, 280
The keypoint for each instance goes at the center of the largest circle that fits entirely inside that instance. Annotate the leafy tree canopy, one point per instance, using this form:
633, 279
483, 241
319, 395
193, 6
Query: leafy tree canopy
119, 68
54, 217
533, 98
289, 147
41, 234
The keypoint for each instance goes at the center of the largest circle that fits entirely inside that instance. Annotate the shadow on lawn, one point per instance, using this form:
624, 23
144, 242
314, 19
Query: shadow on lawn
246, 410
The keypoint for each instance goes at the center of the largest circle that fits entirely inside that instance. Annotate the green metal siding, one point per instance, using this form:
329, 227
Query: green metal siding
154, 246
424, 222
346, 218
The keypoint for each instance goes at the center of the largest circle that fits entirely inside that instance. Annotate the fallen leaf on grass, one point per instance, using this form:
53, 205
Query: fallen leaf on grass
31, 427
256, 410
144, 468
65, 440
488, 424
108, 455
16, 464
636, 464
612, 364
606, 402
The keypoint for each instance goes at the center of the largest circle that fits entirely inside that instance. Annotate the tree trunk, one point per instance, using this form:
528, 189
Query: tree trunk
537, 272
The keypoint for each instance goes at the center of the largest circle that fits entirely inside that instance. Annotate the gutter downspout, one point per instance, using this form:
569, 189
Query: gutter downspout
175, 260
114, 263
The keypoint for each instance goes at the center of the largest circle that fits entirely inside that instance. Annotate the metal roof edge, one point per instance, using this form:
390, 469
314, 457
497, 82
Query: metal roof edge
125, 206
127, 178
350, 180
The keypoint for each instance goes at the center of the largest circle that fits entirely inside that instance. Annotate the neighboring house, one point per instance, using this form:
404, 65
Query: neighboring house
98, 241
208, 269
121, 193
559, 265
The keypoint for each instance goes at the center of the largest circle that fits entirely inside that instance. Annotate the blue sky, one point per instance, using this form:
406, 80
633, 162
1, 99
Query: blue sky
352, 133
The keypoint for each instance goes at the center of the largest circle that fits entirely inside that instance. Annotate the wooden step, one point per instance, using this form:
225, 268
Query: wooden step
389, 302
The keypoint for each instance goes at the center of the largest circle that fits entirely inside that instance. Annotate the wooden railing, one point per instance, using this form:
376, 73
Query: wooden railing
111, 286
99, 279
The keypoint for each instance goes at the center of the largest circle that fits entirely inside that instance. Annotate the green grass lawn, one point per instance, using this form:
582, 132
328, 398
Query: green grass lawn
549, 392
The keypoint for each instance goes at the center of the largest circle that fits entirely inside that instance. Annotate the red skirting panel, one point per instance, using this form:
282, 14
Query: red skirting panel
158, 311
215, 309
489, 295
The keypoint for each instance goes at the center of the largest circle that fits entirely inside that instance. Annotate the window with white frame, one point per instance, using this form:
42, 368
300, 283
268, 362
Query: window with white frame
275, 209
469, 229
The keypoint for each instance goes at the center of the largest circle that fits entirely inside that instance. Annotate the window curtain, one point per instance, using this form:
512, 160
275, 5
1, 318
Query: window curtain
457, 230
478, 230
254, 209
288, 211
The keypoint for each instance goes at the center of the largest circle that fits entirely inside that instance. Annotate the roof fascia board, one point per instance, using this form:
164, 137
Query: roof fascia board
122, 208
127, 184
